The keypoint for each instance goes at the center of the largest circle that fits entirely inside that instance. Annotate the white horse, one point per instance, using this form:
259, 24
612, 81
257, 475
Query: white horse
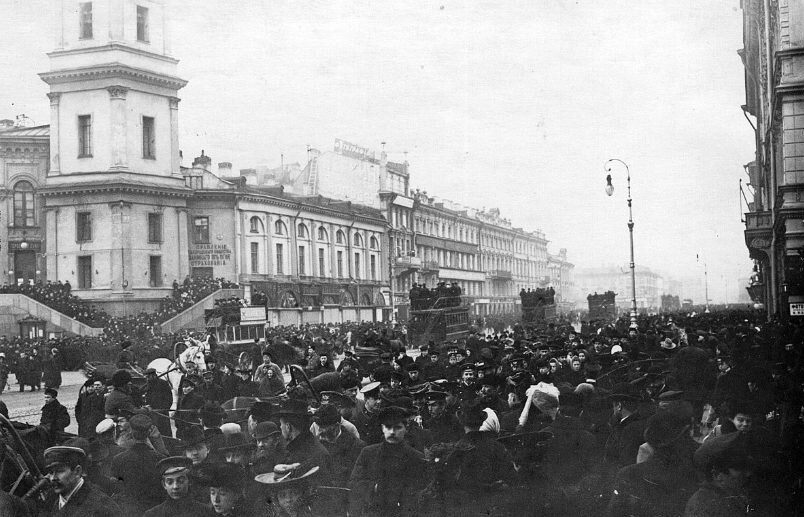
173, 370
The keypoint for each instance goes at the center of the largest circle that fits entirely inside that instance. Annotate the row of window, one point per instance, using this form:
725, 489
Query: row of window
83, 227
279, 262
442, 229
85, 271
85, 137
86, 26
302, 232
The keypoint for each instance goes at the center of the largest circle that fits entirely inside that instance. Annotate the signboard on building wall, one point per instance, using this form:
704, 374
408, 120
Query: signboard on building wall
252, 314
352, 150
797, 309
206, 255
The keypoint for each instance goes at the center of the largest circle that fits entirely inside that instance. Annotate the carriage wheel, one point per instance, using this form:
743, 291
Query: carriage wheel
295, 370
17, 460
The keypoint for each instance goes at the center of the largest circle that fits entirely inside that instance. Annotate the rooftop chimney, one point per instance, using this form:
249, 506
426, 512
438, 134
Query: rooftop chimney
202, 162
224, 169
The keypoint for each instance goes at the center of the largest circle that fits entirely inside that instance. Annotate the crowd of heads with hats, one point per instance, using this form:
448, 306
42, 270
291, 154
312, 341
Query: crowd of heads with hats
518, 386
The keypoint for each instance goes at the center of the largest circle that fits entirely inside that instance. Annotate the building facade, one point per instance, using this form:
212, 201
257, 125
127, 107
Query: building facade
773, 55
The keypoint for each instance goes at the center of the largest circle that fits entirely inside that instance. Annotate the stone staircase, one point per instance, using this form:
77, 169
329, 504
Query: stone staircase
15, 307
192, 318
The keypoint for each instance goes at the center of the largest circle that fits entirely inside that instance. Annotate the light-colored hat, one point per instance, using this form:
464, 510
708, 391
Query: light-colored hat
231, 428
104, 425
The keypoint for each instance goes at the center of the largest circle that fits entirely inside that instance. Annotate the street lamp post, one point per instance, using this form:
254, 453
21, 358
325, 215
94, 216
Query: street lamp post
610, 191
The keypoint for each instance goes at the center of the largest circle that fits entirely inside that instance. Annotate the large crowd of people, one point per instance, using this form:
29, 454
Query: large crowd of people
441, 296
688, 414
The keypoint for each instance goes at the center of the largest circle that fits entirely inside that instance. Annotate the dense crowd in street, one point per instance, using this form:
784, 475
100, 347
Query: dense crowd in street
694, 415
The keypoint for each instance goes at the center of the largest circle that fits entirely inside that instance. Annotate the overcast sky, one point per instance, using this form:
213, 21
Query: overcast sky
509, 104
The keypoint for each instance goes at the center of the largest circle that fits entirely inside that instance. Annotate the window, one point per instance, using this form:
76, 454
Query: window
23, 204
255, 257
201, 230
85, 19
84, 136
142, 23
373, 267
255, 225
358, 240
321, 263
279, 228
339, 257
301, 231
154, 228
148, 138
83, 226
302, 269
155, 268
85, 272
339, 237
357, 265
322, 233
280, 255
373, 243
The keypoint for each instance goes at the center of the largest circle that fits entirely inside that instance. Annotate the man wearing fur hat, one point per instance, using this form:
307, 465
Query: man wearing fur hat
120, 397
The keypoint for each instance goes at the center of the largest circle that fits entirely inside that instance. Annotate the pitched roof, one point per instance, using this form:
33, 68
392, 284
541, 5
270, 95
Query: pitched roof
26, 131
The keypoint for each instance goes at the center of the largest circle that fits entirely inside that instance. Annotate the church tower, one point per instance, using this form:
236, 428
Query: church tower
115, 196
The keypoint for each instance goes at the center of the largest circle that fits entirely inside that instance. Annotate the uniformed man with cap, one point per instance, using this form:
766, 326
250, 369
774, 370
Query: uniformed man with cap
387, 474
176, 483
365, 418
74, 495
136, 470
440, 421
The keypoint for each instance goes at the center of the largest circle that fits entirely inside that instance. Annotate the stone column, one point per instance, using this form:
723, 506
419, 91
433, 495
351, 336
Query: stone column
52, 243
117, 140
182, 249
175, 161
55, 157
269, 246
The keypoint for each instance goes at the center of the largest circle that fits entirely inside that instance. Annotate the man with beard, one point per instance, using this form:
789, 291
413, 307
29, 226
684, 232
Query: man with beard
387, 474
490, 396
64, 467
270, 447
520, 379
158, 399
176, 482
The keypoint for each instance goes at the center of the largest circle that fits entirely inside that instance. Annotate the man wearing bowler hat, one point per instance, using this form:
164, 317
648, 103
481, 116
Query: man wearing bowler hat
627, 427
387, 474
176, 483
302, 447
74, 495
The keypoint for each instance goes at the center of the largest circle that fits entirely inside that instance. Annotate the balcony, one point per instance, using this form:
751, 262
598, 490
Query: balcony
758, 233
499, 274
408, 262
430, 265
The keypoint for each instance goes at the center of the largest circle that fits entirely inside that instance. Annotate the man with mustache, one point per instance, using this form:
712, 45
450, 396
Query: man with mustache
65, 468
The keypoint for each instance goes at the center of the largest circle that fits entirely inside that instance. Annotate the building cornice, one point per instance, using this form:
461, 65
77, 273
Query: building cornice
114, 186
112, 71
114, 46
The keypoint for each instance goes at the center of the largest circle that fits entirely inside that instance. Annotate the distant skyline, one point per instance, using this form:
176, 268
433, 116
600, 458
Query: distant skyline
515, 105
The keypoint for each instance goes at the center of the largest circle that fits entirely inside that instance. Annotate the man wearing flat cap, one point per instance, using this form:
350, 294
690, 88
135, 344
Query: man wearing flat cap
174, 473
387, 474
74, 495
441, 421
136, 470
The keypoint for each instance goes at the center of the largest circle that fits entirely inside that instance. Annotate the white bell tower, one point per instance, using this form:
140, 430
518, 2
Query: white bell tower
113, 89
115, 197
